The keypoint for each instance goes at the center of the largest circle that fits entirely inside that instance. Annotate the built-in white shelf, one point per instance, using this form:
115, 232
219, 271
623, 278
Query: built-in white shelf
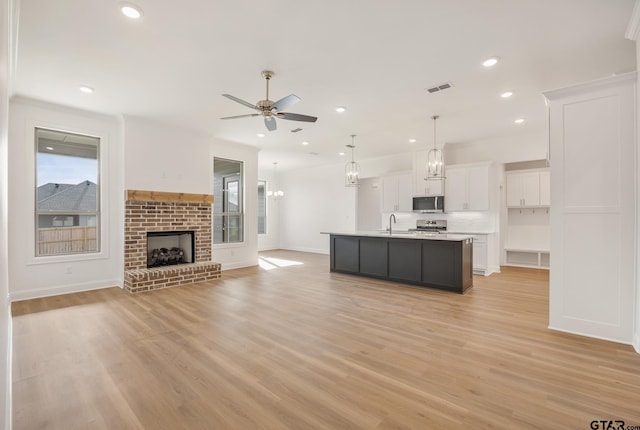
533, 258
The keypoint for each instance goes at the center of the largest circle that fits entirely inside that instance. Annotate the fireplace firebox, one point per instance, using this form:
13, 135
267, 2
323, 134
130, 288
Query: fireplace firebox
166, 248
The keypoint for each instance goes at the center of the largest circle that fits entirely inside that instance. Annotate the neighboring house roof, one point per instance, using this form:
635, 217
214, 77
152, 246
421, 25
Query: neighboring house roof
63, 197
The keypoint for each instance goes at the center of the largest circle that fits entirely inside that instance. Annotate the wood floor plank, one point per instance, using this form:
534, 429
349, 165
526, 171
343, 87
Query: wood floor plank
298, 347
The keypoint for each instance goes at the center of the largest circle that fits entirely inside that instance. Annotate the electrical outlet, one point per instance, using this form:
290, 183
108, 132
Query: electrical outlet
69, 270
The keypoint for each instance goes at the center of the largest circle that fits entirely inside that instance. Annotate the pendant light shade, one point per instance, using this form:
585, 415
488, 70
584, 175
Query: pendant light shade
435, 159
351, 169
275, 194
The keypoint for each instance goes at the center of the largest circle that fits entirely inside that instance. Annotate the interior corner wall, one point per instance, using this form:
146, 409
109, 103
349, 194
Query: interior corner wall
636, 331
506, 149
315, 200
30, 277
6, 46
271, 239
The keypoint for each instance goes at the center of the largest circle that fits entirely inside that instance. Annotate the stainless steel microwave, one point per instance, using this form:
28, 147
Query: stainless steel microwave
428, 204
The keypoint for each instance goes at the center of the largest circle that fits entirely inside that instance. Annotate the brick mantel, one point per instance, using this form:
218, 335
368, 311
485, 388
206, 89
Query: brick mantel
147, 211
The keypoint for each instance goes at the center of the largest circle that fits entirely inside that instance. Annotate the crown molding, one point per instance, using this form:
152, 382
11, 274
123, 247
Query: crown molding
633, 28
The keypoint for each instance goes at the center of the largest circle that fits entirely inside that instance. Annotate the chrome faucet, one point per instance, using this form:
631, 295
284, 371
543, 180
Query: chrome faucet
394, 221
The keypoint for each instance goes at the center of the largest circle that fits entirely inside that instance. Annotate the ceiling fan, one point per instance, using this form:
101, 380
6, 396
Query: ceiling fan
271, 110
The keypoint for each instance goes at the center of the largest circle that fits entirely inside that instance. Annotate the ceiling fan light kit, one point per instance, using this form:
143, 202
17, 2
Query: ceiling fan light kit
271, 110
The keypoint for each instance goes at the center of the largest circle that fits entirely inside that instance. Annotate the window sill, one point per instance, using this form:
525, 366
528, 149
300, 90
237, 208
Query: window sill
67, 258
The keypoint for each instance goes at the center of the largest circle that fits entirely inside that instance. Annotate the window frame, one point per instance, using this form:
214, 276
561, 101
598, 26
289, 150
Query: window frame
224, 213
265, 185
103, 178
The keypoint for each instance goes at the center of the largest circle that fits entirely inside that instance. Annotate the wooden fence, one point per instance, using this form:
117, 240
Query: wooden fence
66, 240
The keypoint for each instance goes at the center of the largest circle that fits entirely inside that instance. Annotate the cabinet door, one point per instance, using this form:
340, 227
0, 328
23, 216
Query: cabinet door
434, 187
419, 173
514, 190
530, 185
545, 188
478, 188
389, 193
404, 202
456, 189
480, 253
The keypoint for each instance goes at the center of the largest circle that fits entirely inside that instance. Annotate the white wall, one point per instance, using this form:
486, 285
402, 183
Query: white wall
45, 276
506, 149
633, 33
270, 240
162, 158
5, 310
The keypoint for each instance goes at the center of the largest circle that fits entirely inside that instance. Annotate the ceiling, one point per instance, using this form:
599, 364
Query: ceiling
375, 57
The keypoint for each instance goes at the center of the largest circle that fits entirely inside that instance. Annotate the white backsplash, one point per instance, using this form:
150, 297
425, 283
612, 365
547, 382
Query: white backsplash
464, 222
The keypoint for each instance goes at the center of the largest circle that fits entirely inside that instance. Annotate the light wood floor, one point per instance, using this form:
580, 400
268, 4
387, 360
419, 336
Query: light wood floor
297, 347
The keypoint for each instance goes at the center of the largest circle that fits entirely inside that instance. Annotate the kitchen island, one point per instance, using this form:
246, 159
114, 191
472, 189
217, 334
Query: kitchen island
441, 261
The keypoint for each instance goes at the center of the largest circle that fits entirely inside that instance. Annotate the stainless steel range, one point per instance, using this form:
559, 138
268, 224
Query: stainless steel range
431, 226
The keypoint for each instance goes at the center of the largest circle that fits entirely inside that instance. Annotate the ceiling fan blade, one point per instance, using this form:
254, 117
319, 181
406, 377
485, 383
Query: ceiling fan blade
242, 102
241, 116
285, 102
270, 122
296, 117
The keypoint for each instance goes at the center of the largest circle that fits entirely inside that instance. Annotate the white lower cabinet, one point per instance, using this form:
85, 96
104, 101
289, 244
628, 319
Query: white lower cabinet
480, 254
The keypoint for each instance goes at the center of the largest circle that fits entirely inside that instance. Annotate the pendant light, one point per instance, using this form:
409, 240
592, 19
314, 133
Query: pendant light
277, 194
435, 160
351, 170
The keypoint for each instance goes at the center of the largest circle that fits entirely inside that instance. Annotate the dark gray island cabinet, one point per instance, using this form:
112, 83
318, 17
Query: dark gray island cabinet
443, 262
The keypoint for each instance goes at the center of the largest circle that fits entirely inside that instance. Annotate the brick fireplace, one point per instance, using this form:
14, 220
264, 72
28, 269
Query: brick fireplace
150, 211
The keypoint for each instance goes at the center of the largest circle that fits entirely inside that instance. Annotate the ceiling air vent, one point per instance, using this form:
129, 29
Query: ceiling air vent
440, 87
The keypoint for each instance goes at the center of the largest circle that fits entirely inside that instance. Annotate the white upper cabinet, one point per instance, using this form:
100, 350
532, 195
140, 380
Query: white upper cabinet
526, 188
422, 187
397, 193
467, 188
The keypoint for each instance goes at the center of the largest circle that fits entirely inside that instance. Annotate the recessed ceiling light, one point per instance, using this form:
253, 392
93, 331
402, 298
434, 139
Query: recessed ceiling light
490, 62
519, 121
85, 89
49, 148
341, 109
506, 94
412, 140
340, 153
260, 134
130, 11
305, 143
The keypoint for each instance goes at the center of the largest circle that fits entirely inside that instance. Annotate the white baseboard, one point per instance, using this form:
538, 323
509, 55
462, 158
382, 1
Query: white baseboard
636, 342
312, 250
237, 265
17, 296
624, 342
9, 373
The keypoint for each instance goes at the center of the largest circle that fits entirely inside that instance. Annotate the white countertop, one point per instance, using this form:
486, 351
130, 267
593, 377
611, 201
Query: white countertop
405, 235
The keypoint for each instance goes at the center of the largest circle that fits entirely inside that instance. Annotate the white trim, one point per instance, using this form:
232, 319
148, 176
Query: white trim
312, 250
633, 28
636, 343
578, 333
591, 85
237, 265
67, 289
103, 191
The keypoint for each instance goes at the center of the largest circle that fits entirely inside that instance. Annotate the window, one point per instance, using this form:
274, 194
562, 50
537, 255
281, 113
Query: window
228, 216
262, 207
67, 193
